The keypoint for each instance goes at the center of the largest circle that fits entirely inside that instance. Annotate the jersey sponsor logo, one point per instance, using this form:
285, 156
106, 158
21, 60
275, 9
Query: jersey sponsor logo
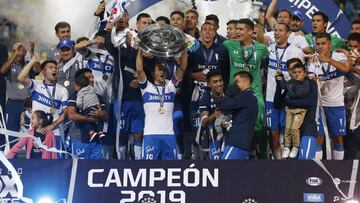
95, 65
45, 100
149, 97
314, 181
209, 67
314, 197
131, 70
242, 65
273, 65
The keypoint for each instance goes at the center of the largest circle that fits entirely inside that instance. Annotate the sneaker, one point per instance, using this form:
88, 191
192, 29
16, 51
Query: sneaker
101, 134
285, 153
92, 135
294, 152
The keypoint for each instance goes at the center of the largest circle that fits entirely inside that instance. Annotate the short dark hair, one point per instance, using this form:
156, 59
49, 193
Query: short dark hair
354, 37
287, 27
324, 16
180, 13
142, 15
48, 61
61, 24
248, 22
192, 11
299, 65
357, 21
212, 17
205, 23
232, 22
244, 74
101, 33
323, 35
158, 64
287, 11
163, 18
212, 74
82, 72
82, 81
80, 39
292, 60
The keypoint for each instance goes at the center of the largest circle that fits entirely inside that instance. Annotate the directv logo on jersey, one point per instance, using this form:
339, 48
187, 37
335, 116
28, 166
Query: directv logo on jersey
314, 197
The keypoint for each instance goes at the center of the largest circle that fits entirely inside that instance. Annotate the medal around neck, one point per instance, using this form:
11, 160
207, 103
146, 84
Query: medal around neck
66, 83
52, 111
20, 86
162, 40
162, 110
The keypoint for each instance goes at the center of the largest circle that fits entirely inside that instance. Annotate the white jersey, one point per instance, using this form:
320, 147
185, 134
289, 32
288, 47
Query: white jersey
294, 39
155, 122
44, 97
332, 84
102, 65
290, 52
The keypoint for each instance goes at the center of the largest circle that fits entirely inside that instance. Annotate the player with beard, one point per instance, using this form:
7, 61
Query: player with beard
47, 95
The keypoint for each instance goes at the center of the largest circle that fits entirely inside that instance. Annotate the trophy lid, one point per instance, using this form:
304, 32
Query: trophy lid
162, 40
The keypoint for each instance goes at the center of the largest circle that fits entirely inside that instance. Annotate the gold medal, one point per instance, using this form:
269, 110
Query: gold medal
20, 86
52, 110
66, 83
161, 110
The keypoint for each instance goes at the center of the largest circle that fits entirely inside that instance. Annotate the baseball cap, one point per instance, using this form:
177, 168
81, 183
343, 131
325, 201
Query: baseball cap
65, 43
298, 15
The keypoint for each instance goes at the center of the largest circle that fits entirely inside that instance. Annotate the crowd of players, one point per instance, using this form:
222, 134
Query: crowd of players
267, 83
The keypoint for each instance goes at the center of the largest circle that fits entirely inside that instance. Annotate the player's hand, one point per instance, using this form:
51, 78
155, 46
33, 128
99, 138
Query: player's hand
100, 8
36, 57
109, 26
199, 76
217, 113
96, 112
128, 39
134, 83
324, 59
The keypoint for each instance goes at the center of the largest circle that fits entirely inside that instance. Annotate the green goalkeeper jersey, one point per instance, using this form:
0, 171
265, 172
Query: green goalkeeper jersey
247, 59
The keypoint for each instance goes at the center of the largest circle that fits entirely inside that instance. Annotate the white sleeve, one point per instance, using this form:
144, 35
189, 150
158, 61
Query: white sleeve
93, 27
301, 41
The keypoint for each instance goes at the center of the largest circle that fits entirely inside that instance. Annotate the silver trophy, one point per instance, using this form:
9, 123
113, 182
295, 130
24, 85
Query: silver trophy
162, 40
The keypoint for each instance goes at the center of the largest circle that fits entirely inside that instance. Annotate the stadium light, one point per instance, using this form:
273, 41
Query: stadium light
352, 201
45, 200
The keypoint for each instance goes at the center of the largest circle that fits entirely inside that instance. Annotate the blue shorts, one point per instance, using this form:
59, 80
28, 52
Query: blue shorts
335, 120
159, 147
231, 153
132, 117
307, 148
275, 118
82, 150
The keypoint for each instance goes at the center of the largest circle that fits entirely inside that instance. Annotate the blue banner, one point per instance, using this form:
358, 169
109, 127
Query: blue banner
339, 23
183, 181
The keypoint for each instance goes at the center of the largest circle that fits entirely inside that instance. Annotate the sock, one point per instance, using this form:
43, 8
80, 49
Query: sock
338, 153
137, 149
319, 152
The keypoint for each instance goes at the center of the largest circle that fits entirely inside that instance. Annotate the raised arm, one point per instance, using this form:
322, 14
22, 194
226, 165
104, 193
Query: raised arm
23, 76
82, 46
140, 67
270, 14
183, 64
15, 53
261, 33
